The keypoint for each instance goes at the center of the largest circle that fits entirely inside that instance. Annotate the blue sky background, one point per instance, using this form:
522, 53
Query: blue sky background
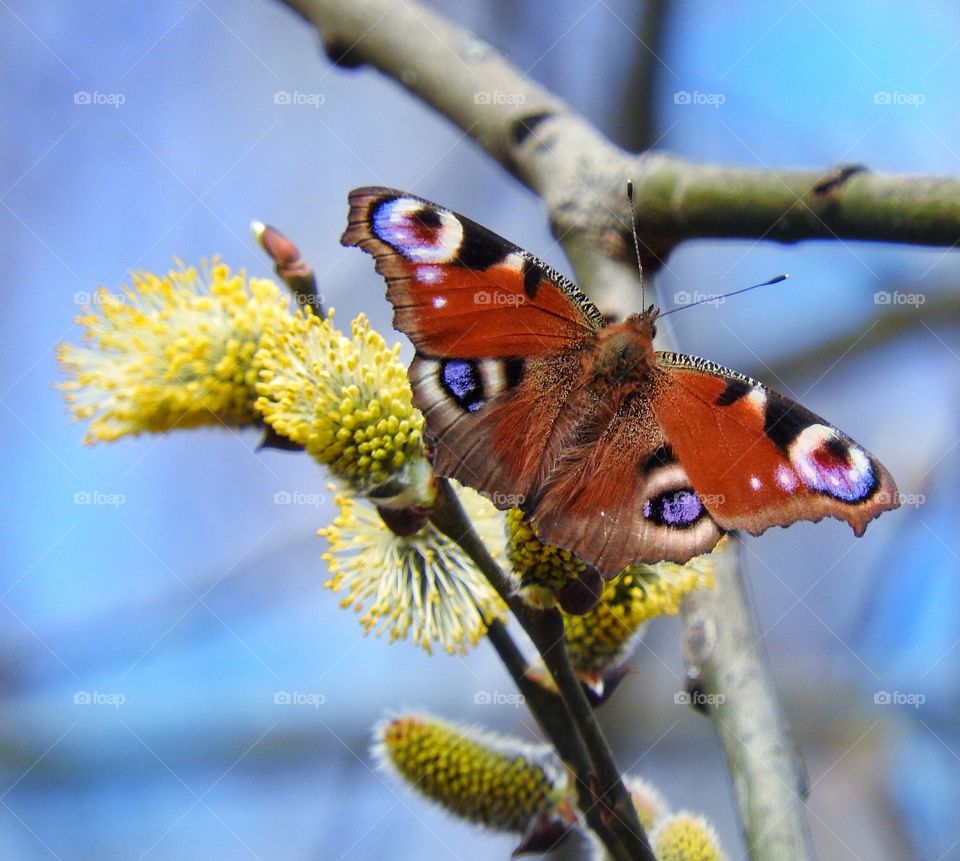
197, 598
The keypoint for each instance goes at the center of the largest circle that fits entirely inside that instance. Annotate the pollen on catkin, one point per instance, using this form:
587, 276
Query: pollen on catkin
601, 638
500, 783
686, 837
347, 400
539, 570
171, 351
421, 585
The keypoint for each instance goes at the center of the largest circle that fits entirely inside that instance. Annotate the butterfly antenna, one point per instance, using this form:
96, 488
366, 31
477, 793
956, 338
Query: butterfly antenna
636, 241
722, 296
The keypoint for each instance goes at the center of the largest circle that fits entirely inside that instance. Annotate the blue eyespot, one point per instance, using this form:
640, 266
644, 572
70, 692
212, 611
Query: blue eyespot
677, 509
461, 380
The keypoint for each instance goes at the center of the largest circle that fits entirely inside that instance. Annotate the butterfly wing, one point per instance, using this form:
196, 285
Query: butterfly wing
498, 335
458, 290
758, 459
618, 495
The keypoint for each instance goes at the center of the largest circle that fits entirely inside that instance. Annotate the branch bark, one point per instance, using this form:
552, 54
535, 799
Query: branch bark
581, 176
728, 669
568, 719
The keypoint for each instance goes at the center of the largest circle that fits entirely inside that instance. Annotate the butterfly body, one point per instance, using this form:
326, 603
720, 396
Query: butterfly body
614, 450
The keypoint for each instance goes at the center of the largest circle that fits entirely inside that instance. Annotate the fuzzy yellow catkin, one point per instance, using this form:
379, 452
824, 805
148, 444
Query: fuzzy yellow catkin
172, 351
346, 399
498, 783
686, 837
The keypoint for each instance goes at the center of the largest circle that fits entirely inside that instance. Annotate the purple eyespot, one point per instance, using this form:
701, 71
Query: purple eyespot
461, 380
677, 509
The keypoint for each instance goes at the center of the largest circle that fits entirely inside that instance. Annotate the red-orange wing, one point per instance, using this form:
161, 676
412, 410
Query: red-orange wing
758, 459
460, 291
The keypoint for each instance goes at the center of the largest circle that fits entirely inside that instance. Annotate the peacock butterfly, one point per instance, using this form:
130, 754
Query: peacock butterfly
619, 453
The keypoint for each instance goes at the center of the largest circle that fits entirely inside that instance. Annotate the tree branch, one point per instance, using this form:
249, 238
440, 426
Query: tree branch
567, 720
581, 175
728, 669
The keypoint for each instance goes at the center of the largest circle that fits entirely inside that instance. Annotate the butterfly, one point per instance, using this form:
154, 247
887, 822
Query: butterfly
614, 451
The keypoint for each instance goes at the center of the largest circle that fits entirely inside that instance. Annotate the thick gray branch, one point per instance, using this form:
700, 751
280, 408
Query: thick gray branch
581, 175
729, 674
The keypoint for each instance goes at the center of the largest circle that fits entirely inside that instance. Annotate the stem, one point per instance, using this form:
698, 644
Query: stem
726, 661
567, 719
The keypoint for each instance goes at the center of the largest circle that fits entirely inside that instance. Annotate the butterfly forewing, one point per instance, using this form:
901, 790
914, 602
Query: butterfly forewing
459, 290
758, 459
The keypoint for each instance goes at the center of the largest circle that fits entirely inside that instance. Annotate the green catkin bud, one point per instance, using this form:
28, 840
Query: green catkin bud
499, 783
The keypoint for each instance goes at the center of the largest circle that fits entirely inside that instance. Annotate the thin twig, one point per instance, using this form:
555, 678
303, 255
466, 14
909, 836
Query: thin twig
568, 720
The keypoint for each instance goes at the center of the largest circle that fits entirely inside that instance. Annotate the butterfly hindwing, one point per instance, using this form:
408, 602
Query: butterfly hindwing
490, 422
458, 290
618, 495
758, 459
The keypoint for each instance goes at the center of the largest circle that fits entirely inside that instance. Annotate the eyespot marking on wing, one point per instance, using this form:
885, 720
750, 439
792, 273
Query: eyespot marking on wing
829, 464
462, 381
420, 232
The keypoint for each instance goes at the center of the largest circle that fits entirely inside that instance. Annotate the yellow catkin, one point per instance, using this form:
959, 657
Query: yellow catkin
494, 782
421, 586
686, 837
346, 399
172, 351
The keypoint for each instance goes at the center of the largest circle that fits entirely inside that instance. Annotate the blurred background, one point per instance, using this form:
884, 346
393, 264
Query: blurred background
143, 639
